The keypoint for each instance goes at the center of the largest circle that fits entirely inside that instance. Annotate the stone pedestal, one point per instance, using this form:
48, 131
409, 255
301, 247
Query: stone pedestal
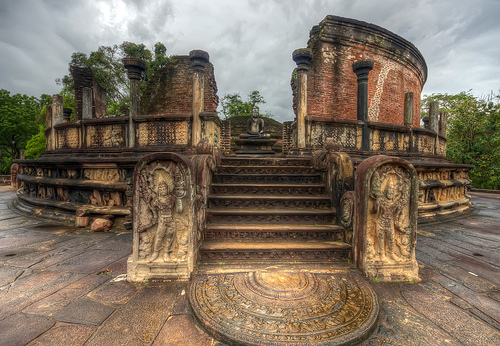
256, 146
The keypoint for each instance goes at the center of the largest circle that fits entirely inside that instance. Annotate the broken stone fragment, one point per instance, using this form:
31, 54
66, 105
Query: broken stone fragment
101, 225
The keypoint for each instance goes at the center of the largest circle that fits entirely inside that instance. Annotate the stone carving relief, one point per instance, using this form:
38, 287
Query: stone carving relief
344, 136
347, 214
162, 220
105, 198
68, 138
385, 214
103, 174
162, 132
388, 234
106, 136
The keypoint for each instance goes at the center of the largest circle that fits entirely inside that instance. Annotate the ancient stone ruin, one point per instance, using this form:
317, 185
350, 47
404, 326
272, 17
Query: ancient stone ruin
355, 175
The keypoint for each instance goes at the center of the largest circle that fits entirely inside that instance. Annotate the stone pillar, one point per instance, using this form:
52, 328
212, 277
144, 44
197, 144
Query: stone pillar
443, 124
409, 109
87, 103
199, 60
385, 219
362, 68
87, 113
434, 116
57, 118
135, 67
302, 58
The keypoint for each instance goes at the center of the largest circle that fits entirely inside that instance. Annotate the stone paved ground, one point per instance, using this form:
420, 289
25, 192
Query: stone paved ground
64, 286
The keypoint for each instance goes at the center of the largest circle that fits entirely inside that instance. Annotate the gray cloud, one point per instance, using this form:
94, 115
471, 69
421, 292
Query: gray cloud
250, 42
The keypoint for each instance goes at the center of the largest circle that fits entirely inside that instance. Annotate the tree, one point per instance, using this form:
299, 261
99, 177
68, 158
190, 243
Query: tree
473, 134
233, 105
106, 63
37, 144
18, 122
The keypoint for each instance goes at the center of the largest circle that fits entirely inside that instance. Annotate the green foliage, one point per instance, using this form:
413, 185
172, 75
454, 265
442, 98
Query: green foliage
36, 145
473, 134
18, 122
233, 105
106, 63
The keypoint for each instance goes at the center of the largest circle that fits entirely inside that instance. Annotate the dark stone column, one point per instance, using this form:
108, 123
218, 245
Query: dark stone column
302, 58
434, 116
135, 67
362, 68
199, 59
409, 109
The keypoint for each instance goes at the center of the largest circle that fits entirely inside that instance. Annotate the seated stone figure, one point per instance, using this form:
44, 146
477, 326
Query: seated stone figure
255, 127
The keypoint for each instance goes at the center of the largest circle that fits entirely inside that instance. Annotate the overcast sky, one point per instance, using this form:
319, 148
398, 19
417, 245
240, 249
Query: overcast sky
250, 42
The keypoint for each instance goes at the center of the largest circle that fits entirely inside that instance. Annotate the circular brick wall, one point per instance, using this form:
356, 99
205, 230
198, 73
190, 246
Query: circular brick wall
332, 89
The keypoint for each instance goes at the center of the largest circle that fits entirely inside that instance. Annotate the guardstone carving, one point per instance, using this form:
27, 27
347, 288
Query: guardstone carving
163, 220
385, 219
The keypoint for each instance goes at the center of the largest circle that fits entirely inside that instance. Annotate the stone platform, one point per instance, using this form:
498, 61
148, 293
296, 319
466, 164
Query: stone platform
285, 308
65, 286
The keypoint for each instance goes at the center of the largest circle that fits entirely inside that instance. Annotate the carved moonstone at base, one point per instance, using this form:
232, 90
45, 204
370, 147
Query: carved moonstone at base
285, 308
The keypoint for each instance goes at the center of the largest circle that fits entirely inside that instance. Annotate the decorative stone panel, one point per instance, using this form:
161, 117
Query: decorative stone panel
385, 219
163, 133
164, 242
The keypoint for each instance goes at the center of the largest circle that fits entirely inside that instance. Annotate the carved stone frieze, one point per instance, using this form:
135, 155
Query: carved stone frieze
108, 136
346, 212
104, 174
260, 162
162, 133
260, 203
264, 190
265, 170
267, 179
68, 138
386, 219
277, 235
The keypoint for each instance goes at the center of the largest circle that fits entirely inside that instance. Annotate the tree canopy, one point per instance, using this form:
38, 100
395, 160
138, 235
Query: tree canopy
473, 134
233, 105
106, 63
19, 120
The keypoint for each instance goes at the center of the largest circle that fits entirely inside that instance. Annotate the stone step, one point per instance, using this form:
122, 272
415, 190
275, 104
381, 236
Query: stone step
264, 161
268, 202
266, 216
280, 251
268, 189
266, 178
271, 233
228, 169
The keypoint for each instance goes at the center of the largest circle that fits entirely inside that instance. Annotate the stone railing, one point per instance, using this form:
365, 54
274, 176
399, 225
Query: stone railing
382, 137
150, 131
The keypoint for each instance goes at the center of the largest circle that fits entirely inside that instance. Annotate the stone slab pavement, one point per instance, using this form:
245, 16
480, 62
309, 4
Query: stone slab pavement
60, 285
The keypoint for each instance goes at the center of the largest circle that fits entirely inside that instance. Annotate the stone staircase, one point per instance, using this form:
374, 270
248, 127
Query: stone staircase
270, 209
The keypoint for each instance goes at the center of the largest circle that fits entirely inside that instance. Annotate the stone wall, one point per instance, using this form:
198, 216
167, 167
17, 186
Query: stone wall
170, 89
399, 68
84, 78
